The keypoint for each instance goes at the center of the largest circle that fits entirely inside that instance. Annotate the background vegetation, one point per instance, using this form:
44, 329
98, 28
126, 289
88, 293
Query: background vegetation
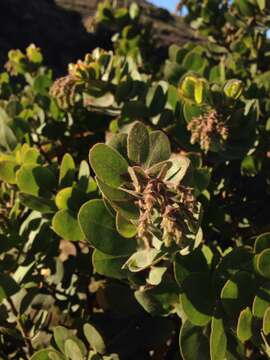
156, 243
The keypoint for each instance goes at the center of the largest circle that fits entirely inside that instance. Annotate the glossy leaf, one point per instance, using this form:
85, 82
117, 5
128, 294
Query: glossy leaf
8, 171
218, 339
40, 204
261, 301
125, 227
193, 343
109, 166
138, 143
94, 338
66, 225
244, 325
263, 261
197, 298
160, 148
99, 229
109, 265
266, 322
67, 171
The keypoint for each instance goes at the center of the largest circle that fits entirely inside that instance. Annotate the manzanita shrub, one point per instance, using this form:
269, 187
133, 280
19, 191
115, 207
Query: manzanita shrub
134, 218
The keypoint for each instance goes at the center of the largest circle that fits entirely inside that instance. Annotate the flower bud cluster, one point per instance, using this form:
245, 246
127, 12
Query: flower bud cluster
165, 209
80, 75
208, 129
64, 91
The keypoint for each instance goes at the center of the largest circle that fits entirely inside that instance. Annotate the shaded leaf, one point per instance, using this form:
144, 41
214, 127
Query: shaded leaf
193, 343
99, 229
94, 338
66, 225
109, 166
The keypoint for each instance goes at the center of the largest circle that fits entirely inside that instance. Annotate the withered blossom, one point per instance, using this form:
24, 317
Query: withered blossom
207, 129
64, 91
164, 207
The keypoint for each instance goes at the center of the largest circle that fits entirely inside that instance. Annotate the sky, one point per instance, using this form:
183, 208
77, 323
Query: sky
168, 4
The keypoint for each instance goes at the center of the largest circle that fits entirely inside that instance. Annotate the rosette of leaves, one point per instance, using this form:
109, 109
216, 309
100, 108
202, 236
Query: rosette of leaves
93, 81
147, 213
20, 63
215, 114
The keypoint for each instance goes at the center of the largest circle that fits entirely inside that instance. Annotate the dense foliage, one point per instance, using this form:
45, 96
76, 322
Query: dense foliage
156, 242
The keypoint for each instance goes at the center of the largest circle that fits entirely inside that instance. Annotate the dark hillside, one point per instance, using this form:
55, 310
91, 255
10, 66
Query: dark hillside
62, 28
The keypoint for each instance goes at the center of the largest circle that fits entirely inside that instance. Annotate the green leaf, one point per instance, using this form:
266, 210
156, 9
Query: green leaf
31, 179
197, 298
125, 227
113, 194
8, 140
160, 148
72, 350
109, 265
218, 339
186, 87
67, 171
138, 143
61, 334
155, 100
263, 262
245, 8
128, 210
178, 170
94, 338
266, 322
40, 204
66, 225
198, 92
237, 292
244, 325
190, 111
234, 88
31, 156
194, 61
70, 198
119, 143
184, 265
62, 198
261, 301
8, 286
159, 300
155, 275
134, 109
142, 259
193, 343
8, 171
134, 11
47, 354
109, 166
261, 4
99, 229
41, 84
262, 242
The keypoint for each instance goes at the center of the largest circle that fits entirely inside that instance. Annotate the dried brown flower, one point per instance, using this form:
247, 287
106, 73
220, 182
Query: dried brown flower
64, 91
207, 129
166, 209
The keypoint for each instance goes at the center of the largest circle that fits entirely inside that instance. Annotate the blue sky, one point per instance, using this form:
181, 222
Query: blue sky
168, 4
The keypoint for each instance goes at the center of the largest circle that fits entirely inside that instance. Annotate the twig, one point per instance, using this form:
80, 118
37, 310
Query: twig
20, 326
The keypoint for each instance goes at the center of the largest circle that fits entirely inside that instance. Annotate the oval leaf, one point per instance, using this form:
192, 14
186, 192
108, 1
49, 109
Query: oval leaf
109, 166
99, 229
